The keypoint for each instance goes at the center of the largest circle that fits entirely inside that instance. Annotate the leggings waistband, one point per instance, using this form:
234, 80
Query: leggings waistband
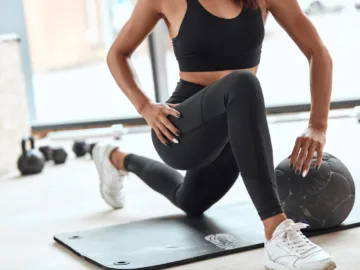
181, 81
184, 90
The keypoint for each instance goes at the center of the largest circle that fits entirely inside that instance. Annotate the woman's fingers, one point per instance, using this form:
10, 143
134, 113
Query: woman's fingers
309, 157
164, 128
172, 105
170, 126
295, 152
311, 141
161, 136
319, 156
167, 133
173, 112
304, 150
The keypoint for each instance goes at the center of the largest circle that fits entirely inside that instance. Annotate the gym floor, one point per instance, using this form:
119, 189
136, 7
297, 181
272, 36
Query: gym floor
66, 198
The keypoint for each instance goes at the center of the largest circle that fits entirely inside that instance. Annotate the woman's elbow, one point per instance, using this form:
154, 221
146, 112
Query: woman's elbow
111, 56
114, 54
322, 54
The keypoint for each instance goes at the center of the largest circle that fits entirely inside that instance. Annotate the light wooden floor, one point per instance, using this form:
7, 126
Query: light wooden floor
66, 198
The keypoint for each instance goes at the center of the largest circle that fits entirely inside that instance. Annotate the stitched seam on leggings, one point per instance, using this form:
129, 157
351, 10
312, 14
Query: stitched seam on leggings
148, 166
274, 209
203, 123
127, 161
242, 97
201, 109
260, 144
255, 128
270, 213
175, 192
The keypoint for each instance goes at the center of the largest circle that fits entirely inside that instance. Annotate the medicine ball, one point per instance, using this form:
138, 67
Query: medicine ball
323, 199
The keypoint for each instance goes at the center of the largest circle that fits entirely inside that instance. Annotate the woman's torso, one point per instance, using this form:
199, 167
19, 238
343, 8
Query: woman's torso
223, 12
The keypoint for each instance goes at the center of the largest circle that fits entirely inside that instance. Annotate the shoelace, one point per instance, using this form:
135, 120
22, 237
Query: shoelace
296, 239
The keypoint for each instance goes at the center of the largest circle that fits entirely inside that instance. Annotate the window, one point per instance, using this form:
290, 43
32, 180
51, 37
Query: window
284, 71
69, 41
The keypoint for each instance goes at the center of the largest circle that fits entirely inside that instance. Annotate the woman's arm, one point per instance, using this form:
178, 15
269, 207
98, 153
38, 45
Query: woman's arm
290, 16
145, 16
143, 19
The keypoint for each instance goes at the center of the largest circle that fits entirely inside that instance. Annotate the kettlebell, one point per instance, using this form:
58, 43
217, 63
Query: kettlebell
31, 161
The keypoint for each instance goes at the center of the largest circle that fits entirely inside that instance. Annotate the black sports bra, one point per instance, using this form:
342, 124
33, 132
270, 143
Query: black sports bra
209, 43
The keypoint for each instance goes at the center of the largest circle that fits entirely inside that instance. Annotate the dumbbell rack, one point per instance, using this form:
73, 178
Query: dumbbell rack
115, 131
303, 116
118, 131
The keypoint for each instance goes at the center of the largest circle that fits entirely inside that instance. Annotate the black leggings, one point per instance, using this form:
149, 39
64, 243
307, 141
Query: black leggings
224, 131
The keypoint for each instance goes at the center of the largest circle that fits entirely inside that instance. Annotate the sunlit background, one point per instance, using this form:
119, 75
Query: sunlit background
55, 85
70, 82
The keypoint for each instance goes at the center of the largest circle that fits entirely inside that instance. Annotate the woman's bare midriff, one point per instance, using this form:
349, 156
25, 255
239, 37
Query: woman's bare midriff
207, 78
173, 15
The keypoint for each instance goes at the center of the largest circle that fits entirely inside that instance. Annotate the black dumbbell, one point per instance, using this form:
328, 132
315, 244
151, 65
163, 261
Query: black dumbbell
47, 152
81, 148
58, 155
31, 161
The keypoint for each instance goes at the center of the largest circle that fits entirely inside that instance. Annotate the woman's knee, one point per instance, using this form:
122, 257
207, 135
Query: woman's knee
243, 84
192, 210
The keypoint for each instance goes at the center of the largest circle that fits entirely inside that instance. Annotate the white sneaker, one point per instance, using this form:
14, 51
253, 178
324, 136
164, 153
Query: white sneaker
111, 179
290, 249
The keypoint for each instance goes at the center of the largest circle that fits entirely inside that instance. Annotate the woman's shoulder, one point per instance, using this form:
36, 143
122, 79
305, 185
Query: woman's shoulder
172, 7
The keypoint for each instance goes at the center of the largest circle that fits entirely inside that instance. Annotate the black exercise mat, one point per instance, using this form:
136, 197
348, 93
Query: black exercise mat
175, 240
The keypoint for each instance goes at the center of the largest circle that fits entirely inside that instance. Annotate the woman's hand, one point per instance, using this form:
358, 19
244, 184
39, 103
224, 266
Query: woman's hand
312, 140
155, 115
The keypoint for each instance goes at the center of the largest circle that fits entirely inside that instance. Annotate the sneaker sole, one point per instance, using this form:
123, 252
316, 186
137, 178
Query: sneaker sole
95, 155
105, 196
274, 266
